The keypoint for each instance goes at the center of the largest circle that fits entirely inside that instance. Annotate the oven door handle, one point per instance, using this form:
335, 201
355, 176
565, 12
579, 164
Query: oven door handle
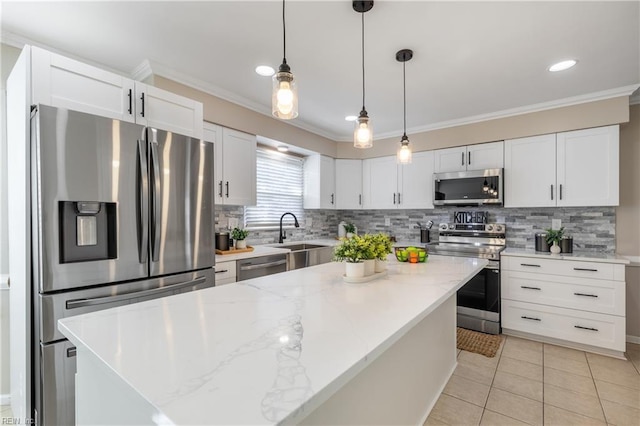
80, 303
494, 266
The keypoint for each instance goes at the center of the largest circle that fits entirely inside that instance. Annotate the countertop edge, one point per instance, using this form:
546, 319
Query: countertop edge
579, 257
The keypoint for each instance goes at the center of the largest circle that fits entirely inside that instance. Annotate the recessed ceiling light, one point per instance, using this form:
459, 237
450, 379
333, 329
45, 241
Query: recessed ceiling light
564, 65
351, 117
265, 70
283, 148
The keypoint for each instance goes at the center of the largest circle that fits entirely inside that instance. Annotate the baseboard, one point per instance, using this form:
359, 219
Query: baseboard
5, 399
633, 339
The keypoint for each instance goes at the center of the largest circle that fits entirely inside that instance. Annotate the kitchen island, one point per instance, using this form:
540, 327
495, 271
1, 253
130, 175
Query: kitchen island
297, 347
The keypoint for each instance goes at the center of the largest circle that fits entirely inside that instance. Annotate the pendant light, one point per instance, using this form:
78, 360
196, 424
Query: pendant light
363, 133
404, 152
284, 98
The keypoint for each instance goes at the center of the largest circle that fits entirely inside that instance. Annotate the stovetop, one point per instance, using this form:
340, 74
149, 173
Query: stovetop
481, 240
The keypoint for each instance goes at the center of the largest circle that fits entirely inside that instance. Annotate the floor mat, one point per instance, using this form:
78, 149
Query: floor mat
480, 343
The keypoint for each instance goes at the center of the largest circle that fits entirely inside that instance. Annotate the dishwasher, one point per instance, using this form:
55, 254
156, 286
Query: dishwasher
261, 266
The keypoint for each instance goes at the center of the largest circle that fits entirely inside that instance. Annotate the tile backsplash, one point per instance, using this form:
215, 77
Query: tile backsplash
592, 228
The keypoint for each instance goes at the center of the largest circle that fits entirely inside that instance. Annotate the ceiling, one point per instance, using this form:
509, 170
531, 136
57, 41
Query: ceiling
471, 59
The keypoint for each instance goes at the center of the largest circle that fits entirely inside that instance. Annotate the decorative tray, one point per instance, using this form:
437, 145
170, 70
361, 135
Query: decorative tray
357, 280
234, 250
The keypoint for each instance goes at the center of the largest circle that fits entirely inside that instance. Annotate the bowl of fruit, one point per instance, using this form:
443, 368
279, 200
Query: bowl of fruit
411, 254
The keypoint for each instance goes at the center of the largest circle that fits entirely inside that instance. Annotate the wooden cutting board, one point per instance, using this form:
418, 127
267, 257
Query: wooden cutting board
234, 251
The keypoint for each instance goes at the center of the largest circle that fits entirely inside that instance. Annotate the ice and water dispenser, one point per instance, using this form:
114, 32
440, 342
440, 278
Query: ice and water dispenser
87, 231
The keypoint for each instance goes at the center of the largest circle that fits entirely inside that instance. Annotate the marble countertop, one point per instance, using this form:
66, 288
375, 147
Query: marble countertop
578, 256
265, 350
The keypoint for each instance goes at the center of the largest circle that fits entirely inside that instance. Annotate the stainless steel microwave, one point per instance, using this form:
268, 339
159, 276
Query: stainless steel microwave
470, 188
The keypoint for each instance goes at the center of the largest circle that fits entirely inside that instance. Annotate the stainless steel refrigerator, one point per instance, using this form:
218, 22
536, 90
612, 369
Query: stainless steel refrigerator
121, 213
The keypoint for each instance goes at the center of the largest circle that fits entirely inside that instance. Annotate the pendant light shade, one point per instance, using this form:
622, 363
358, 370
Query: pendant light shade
284, 97
363, 132
404, 152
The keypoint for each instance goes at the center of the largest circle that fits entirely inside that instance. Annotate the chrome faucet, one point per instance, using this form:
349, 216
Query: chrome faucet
296, 224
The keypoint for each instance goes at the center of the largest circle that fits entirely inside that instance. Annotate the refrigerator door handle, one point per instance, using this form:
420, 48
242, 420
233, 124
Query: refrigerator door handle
155, 202
143, 203
81, 303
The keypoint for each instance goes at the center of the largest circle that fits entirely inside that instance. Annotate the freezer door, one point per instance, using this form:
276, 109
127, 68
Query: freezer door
89, 201
57, 390
181, 185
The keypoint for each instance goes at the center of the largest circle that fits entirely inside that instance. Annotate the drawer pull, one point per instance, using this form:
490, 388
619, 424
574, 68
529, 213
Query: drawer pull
530, 288
586, 328
585, 269
222, 271
532, 318
585, 294
530, 264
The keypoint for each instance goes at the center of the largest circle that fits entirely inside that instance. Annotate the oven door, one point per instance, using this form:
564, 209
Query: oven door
479, 301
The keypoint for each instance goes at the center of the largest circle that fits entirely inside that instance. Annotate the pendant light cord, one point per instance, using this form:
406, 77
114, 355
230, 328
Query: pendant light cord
284, 36
404, 91
363, 61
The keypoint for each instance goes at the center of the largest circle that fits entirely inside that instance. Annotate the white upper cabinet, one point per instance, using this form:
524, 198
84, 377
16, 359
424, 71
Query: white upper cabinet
579, 168
62, 82
349, 184
588, 167
319, 182
235, 165
388, 185
530, 171
470, 157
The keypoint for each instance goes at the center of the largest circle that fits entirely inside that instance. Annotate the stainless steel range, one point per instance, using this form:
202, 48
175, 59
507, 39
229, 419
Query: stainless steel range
471, 236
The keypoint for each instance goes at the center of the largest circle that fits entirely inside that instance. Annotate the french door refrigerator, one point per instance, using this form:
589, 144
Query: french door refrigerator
121, 213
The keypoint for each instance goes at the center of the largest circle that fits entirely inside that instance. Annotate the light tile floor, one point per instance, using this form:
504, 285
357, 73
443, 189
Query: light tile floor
534, 383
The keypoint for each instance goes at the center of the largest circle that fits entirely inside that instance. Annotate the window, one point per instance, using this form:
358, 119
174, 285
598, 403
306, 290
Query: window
279, 189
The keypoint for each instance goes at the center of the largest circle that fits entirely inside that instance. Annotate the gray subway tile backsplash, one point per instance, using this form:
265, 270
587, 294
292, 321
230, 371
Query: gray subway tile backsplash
592, 228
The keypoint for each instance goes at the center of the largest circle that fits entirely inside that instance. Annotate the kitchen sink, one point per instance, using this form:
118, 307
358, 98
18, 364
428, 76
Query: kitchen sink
303, 255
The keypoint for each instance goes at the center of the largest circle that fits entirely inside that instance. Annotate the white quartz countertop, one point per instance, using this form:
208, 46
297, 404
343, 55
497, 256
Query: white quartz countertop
578, 256
267, 249
266, 350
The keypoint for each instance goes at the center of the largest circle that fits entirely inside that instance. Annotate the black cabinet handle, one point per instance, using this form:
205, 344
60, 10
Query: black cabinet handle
585, 269
530, 264
398, 198
561, 191
394, 198
331, 198
462, 162
530, 318
360, 199
221, 271
530, 288
220, 193
469, 158
585, 294
227, 189
586, 328
552, 192
130, 110
142, 99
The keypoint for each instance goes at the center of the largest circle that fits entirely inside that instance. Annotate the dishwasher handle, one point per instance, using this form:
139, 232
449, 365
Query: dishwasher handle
251, 267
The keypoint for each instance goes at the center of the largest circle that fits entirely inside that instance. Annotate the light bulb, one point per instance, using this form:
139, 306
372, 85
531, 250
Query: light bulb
404, 154
285, 98
363, 133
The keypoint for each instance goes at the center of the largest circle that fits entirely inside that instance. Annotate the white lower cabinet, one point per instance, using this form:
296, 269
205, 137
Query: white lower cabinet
225, 272
576, 302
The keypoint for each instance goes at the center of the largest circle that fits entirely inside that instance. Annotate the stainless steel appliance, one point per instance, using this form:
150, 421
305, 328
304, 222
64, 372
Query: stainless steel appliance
478, 301
469, 188
121, 213
261, 266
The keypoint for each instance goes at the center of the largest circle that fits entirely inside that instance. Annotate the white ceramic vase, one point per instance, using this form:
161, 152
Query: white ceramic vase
381, 265
555, 248
369, 267
241, 244
354, 270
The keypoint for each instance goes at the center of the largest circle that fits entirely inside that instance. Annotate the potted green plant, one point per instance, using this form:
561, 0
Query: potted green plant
351, 251
350, 229
553, 239
382, 247
239, 236
369, 253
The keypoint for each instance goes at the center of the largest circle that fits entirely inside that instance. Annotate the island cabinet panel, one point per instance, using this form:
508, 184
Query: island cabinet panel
63, 82
573, 302
348, 184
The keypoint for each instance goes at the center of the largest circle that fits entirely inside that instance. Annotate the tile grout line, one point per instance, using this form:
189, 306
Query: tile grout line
593, 379
543, 400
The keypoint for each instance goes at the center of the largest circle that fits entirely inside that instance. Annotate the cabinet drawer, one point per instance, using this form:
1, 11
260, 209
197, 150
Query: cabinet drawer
606, 297
605, 331
571, 268
225, 271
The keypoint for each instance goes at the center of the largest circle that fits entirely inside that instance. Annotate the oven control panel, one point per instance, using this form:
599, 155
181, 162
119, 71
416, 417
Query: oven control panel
497, 228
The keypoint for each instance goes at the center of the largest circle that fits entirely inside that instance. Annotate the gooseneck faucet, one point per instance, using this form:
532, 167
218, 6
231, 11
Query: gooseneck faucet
296, 224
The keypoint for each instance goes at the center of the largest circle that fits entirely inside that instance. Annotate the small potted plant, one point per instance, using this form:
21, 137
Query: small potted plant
383, 247
239, 236
369, 253
553, 239
350, 229
351, 251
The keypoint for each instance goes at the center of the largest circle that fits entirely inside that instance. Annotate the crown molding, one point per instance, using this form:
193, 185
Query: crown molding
166, 72
13, 40
543, 106
142, 71
634, 99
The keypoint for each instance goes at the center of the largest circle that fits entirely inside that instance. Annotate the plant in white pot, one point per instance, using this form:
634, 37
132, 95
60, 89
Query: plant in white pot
368, 253
554, 236
239, 236
350, 229
351, 251
382, 248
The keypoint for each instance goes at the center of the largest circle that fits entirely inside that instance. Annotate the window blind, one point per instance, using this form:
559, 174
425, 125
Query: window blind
279, 185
